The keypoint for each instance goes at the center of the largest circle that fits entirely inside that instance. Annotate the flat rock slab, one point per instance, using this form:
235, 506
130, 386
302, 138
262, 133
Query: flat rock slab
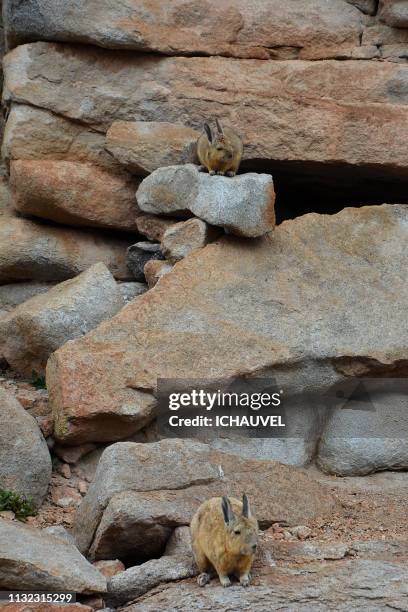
139, 579
361, 438
38, 327
142, 491
243, 205
234, 28
73, 193
344, 586
33, 560
33, 251
309, 111
304, 305
25, 462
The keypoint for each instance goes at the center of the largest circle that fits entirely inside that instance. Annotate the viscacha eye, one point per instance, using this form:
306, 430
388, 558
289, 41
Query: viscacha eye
237, 531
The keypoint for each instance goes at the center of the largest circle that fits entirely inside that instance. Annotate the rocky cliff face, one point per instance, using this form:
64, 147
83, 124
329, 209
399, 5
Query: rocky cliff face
121, 264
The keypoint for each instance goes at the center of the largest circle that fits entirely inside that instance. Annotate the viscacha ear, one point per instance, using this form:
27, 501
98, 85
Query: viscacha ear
227, 510
219, 127
208, 132
246, 511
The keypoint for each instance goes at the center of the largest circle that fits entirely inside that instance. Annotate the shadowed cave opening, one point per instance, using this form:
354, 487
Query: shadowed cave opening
327, 188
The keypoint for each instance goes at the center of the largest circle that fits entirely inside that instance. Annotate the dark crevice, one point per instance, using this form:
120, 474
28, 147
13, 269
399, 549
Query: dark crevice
327, 188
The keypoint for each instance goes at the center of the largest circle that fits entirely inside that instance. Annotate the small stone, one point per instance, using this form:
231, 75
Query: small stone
152, 226
301, 532
139, 254
131, 290
64, 497
64, 470
46, 424
72, 454
82, 487
183, 238
109, 568
154, 270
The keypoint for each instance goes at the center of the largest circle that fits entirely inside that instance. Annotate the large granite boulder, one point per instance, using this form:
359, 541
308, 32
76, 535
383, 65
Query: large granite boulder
34, 251
39, 326
34, 133
277, 30
74, 193
287, 111
32, 560
304, 306
25, 462
142, 491
243, 205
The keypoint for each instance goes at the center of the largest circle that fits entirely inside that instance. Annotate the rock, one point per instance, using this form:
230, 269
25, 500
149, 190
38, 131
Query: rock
25, 462
139, 254
64, 470
394, 13
350, 585
109, 568
360, 439
391, 42
72, 454
34, 133
82, 487
367, 6
96, 602
143, 146
234, 326
243, 205
183, 238
139, 579
315, 111
301, 531
179, 543
153, 227
35, 561
238, 29
64, 497
74, 193
304, 552
58, 531
154, 270
6, 207
47, 253
140, 492
36, 328
17, 293
131, 290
